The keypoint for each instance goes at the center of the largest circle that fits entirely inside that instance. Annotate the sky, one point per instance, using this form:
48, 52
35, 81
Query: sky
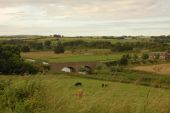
85, 17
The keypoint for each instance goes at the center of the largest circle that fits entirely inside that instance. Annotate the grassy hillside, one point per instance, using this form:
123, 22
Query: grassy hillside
57, 94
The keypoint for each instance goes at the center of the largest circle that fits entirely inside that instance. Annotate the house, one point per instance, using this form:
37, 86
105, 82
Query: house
159, 55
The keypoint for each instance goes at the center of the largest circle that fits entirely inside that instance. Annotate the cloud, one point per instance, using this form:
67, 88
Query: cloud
113, 9
79, 15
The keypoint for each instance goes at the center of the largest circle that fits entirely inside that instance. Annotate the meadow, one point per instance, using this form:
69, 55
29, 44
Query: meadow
49, 56
58, 94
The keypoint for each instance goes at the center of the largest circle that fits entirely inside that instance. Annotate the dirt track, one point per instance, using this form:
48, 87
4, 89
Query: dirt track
160, 69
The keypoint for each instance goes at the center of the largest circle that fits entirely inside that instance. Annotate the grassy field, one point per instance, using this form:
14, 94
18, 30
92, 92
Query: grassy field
57, 94
69, 57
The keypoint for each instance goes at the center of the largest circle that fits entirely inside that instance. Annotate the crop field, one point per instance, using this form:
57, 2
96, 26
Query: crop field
62, 96
159, 69
69, 57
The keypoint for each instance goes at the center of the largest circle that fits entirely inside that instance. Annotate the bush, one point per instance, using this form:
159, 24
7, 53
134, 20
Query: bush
114, 69
47, 44
124, 60
120, 47
59, 48
25, 49
111, 63
84, 44
12, 63
86, 70
36, 45
29, 68
145, 56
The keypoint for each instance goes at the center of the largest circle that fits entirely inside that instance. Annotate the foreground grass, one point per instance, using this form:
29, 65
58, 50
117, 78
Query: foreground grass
57, 95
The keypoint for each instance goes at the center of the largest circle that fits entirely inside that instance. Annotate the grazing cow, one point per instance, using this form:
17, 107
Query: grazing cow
104, 85
78, 84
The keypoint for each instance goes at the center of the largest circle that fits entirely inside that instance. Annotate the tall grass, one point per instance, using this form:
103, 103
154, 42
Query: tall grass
25, 96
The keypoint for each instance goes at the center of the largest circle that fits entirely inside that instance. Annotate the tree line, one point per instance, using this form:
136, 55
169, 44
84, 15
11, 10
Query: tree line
161, 39
57, 45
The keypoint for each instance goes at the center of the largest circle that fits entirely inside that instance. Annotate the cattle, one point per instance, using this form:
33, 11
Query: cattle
78, 84
104, 85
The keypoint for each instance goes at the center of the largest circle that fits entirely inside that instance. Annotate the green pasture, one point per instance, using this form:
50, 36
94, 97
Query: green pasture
51, 57
83, 58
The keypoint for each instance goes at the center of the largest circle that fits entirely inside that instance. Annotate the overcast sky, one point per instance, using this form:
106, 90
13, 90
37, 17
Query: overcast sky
85, 17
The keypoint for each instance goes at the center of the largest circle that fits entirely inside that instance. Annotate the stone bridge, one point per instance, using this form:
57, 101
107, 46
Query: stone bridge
74, 66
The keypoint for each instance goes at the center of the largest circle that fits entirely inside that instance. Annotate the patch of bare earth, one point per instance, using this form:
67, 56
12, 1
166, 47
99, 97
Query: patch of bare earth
159, 69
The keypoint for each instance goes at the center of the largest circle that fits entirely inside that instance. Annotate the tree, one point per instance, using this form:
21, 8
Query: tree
47, 44
135, 57
86, 69
145, 56
59, 48
123, 60
25, 48
120, 47
157, 56
36, 45
57, 36
12, 63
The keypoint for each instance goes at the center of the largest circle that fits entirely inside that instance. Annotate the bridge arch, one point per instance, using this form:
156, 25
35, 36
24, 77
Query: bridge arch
85, 69
68, 69
88, 67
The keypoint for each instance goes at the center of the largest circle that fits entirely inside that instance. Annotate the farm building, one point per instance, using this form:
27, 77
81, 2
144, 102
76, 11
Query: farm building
159, 55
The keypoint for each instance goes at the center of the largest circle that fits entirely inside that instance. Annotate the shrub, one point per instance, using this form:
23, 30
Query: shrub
47, 44
12, 63
85, 69
29, 68
123, 60
59, 48
114, 69
145, 56
25, 49
111, 63
36, 45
